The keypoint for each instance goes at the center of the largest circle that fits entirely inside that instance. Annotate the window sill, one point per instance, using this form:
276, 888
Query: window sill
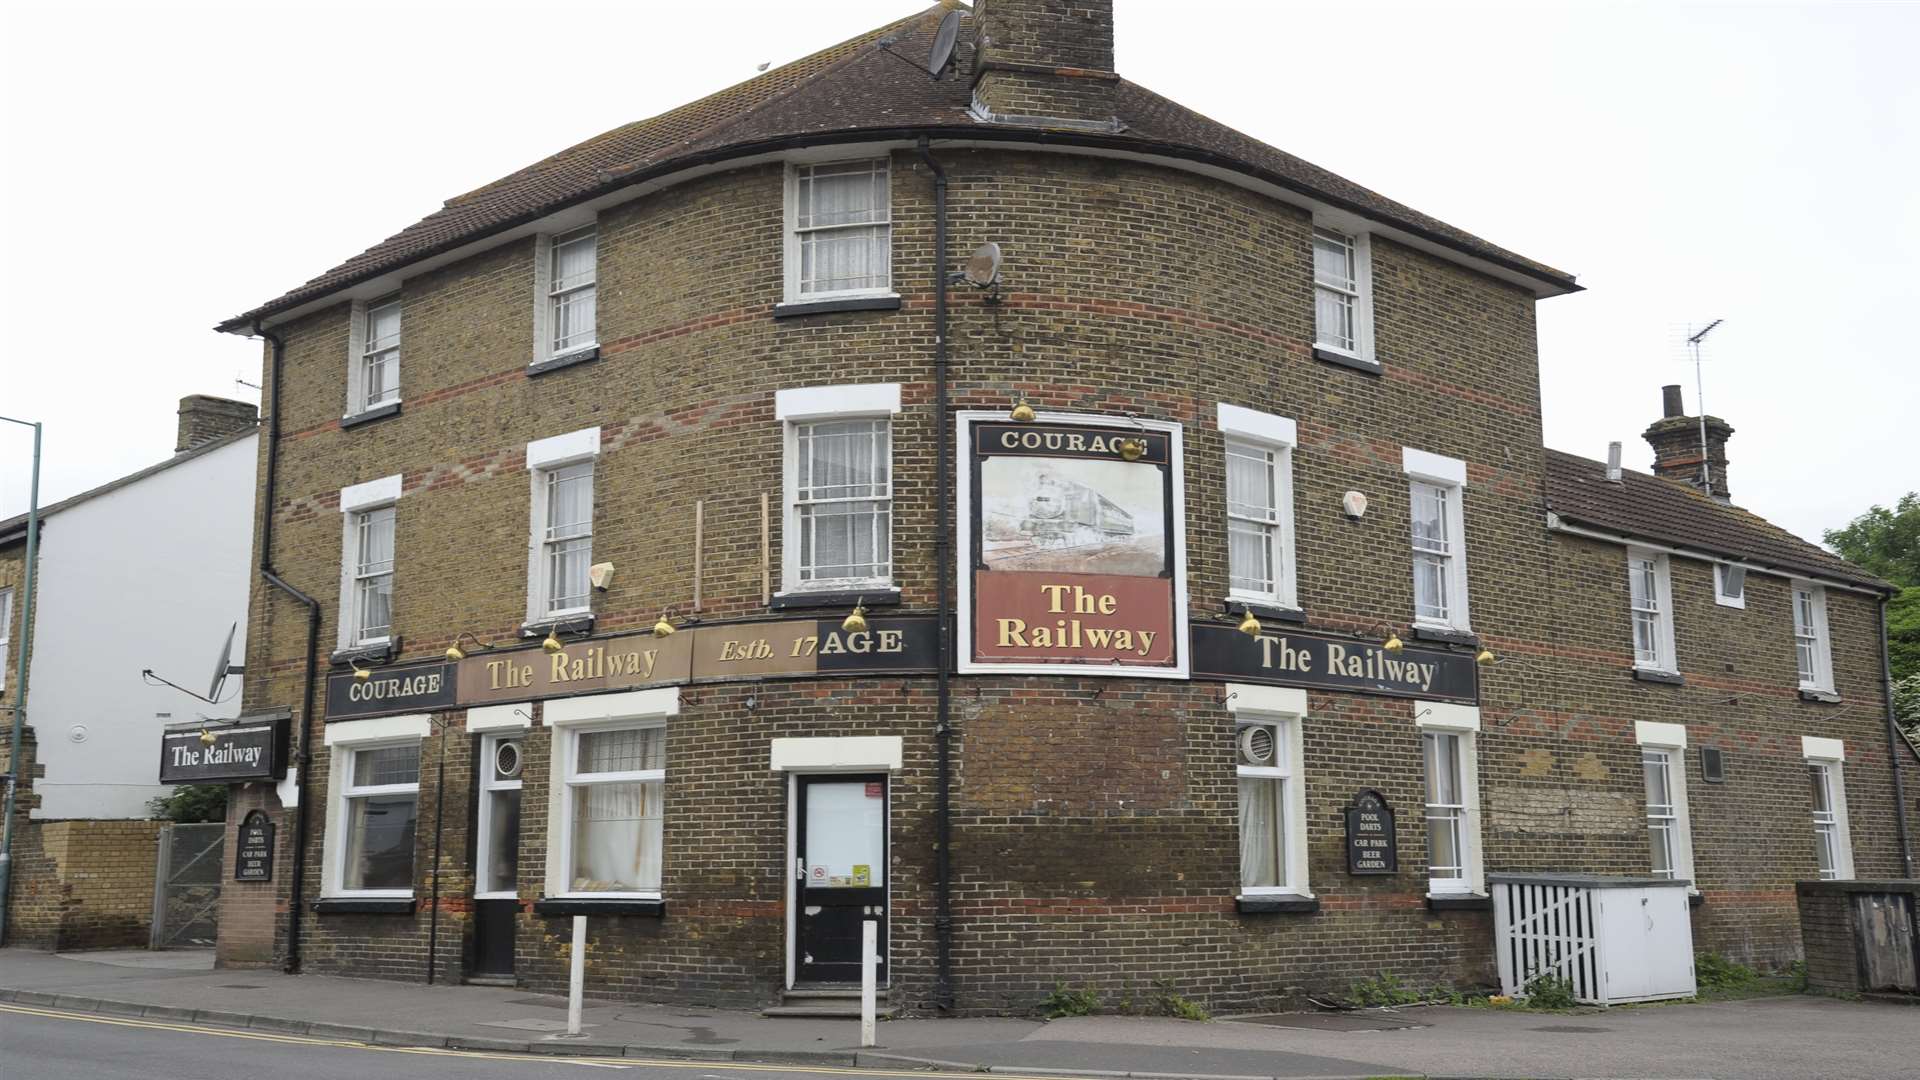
794, 309
1458, 902
383, 653
364, 905
562, 905
1338, 359
1276, 905
368, 416
564, 360
1665, 678
577, 623
1265, 612
1826, 696
836, 598
1446, 635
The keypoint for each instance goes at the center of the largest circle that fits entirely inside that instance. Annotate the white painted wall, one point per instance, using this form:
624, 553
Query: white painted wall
147, 576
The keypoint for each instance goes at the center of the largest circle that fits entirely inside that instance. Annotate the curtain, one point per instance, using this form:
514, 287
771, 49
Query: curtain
379, 851
1260, 846
617, 836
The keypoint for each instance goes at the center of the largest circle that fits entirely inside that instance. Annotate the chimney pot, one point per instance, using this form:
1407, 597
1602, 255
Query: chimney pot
204, 418
1670, 398
1613, 462
1675, 439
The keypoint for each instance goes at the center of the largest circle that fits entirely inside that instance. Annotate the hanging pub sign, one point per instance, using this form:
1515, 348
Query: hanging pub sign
238, 750
1321, 662
718, 652
253, 856
1371, 848
1072, 551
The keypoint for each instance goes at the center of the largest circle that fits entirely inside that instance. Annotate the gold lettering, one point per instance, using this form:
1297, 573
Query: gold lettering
1009, 439
559, 672
1012, 632
891, 641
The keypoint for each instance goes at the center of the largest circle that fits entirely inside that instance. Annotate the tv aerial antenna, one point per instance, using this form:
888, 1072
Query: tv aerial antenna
222, 668
1700, 400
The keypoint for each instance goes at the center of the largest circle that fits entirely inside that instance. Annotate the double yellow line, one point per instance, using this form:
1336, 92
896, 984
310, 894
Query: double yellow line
483, 1055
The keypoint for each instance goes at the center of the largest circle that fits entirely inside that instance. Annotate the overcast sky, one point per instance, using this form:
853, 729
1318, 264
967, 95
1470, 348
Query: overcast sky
167, 165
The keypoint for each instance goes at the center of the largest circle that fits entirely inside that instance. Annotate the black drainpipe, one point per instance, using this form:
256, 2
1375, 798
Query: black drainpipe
943, 604
303, 755
1894, 739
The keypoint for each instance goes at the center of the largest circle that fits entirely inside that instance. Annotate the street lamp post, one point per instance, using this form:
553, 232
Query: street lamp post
20, 680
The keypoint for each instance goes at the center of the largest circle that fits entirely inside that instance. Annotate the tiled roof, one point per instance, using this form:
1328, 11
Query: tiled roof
1670, 512
875, 83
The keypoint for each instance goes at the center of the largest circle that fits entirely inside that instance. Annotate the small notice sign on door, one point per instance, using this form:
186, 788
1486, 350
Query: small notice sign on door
819, 875
862, 875
876, 789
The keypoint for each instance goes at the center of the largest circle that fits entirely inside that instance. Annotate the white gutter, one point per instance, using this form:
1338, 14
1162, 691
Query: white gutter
1557, 524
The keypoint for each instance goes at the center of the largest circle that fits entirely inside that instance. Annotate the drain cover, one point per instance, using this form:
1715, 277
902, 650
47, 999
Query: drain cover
1333, 1021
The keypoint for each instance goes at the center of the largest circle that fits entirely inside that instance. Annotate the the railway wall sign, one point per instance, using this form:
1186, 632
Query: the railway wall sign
1072, 553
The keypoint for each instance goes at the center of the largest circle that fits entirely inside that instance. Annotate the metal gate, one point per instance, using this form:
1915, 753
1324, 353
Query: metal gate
186, 886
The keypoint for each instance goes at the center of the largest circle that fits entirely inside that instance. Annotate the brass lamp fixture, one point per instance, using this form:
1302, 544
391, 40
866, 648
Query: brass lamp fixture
1133, 449
856, 621
207, 737
1485, 657
1393, 642
1022, 413
1250, 625
663, 627
552, 643
457, 654
359, 672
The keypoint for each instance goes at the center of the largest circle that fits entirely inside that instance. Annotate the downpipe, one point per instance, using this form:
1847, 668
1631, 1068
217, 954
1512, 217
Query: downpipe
1894, 742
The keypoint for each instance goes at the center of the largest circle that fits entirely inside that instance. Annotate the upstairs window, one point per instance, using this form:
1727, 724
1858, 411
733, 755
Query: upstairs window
1256, 558
839, 231
6, 632
838, 524
1437, 489
1813, 653
1650, 600
373, 355
373, 576
1730, 585
1342, 293
1832, 836
571, 298
560, 528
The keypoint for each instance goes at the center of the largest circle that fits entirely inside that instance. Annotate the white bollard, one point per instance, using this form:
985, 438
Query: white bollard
577, 977
869, 978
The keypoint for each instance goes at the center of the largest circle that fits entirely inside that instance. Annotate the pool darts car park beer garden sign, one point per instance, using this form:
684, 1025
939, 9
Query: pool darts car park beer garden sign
1072, 552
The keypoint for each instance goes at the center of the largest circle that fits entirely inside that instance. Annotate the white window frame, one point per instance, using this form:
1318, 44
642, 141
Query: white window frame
544, 297
1722, 572
1670, 741
355, 500
567, 718
1813, 636
1450, 476
1359, 291
342, 740
1284, 711
1251, 432
796, 408
792, 232
483, 825
1463, 723
359, 350
1829, 757
6, 632
544, 457
1666, 662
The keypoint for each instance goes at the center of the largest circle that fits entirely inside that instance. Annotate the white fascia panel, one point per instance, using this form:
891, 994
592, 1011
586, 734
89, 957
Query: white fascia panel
500, 717
379, 729
372, 493
1648, 733
1253, 424
1433, 467
1814, 748
1268, 700
564, 449
1446, 715
838, 754
811, 402
632, 705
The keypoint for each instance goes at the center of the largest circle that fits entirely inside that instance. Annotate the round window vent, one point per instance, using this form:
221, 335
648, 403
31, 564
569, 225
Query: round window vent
77, 733
1256, 746
506, 760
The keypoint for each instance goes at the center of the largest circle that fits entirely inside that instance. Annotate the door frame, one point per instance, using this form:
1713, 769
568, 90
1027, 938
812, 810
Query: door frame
791, 942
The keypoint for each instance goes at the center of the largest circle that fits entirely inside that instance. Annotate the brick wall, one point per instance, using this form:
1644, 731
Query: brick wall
1095, 819
83, 884
250, 910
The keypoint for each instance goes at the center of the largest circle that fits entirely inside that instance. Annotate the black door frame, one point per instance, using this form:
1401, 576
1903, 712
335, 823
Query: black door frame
797, 889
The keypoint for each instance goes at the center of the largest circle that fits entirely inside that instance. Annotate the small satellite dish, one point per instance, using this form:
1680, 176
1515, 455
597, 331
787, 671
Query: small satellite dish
943, 42
983, 266
223, 666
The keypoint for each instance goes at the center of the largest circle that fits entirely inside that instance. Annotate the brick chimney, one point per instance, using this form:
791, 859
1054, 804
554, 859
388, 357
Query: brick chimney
204, 418
1676, 444
1045, 63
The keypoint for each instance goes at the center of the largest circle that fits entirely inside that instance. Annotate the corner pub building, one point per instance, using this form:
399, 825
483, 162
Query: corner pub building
613, 512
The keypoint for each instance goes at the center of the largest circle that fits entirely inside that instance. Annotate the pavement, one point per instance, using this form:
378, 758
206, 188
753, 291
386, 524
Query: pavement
1762, 1039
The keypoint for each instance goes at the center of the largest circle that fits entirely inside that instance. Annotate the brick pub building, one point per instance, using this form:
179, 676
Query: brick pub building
1231, 483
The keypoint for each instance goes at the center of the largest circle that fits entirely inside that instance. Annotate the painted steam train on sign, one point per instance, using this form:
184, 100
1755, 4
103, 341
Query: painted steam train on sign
1067, 513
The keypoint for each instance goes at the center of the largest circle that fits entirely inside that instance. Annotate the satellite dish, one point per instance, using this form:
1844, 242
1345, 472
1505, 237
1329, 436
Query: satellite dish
943, 41
983, 266
223, 667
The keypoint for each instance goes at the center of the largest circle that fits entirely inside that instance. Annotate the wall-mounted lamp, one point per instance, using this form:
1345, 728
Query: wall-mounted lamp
457, 654
1393, 642
207, 737
1485, 658
552, 643
359, 672
663, 627
1021, 413
856, 621
1250, 625
1133, 449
